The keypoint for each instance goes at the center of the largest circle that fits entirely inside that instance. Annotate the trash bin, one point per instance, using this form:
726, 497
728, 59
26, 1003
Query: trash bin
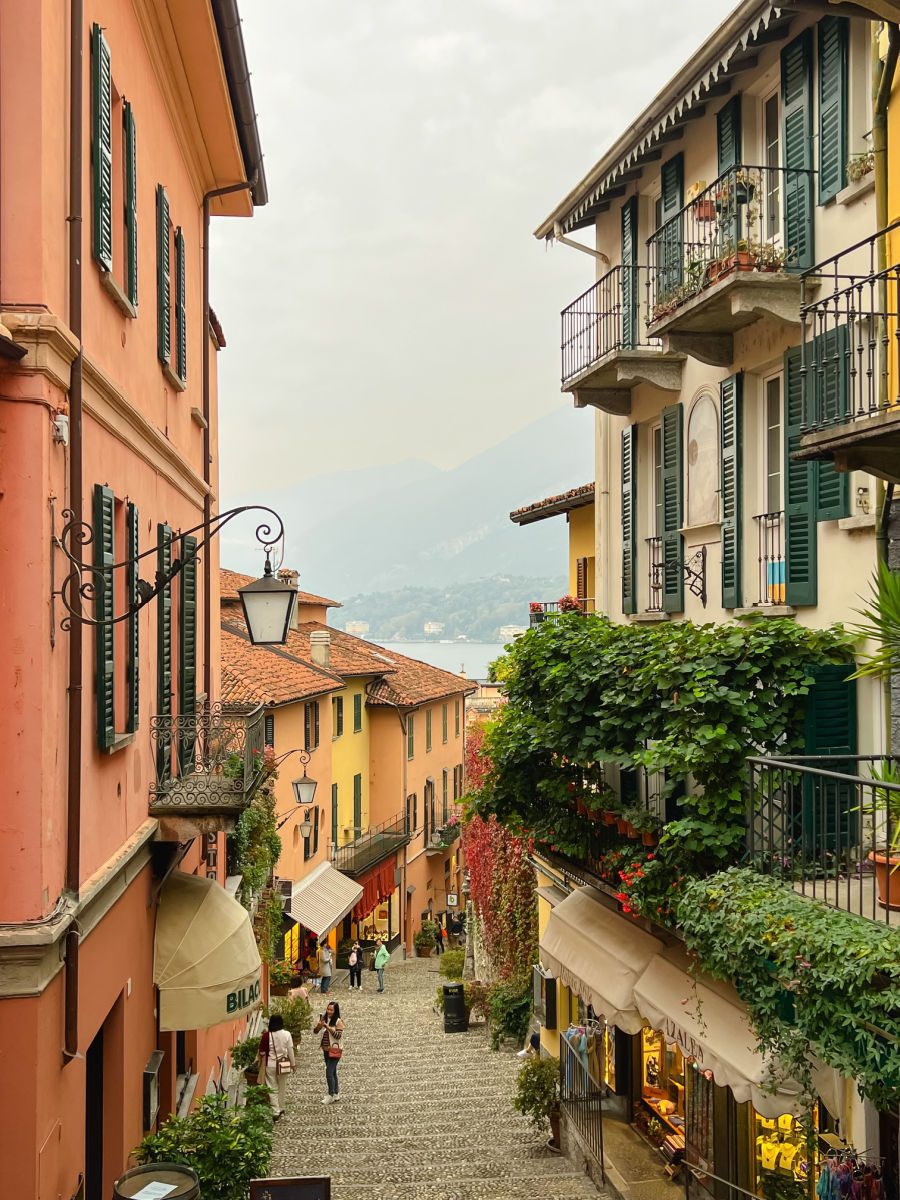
456, 1019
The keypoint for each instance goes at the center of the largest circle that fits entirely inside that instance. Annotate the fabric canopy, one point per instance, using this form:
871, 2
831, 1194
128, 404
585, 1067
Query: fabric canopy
206, 962
707, 1021
323, 898
552, 894
377, 885
599, 955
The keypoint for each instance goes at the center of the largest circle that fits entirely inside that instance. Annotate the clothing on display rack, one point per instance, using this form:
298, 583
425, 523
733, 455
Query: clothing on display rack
846, 1175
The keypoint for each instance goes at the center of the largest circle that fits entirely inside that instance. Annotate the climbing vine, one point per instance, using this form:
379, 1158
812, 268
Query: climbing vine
501, 884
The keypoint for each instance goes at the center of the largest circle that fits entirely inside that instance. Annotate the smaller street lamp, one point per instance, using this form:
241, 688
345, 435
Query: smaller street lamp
304, 792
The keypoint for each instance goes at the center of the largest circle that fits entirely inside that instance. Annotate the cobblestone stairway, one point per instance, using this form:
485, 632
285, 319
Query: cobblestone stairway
424, 1115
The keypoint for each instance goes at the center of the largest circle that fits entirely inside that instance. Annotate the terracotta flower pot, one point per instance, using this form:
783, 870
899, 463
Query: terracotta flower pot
649, 838
608, 817
887, 876
630, 830
704, 210
279, 989
622, 826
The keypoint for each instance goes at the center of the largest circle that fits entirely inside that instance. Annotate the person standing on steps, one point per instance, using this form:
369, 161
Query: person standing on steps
382, 955
356, 961
332, 1043
276, 1051
326, 967
439, 938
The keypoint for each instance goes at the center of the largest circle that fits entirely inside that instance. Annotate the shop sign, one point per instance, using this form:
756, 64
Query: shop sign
242, 998
687, 1044
452, 900
307, 1188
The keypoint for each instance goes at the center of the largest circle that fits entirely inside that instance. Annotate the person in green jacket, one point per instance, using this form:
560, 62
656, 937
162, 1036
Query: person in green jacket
382, 954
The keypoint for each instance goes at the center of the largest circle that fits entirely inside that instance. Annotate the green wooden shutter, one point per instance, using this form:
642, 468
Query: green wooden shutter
445, 806
357, 805
673, 507
105, 557
630, 288
830, 811
796, 115
164, 651
187, 648
315, 722
728, 135
334, 814
670, 254
134, 643
131, 224
828, 381
307, 727
731, 391
832, 37
163, 270
180, 305
428, 729
629, 519
357, 712
101, 148
800, 534
410, 736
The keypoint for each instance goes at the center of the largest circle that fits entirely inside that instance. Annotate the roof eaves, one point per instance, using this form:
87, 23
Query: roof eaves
553, 506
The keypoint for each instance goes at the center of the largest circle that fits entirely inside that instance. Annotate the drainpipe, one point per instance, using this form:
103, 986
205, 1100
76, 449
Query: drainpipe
76, 503
207, 499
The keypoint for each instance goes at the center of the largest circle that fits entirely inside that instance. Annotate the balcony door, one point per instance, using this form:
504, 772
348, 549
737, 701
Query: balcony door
629, 274
770, 126
770, 523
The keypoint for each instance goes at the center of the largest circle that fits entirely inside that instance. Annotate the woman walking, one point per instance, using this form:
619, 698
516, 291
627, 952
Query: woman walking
326, 967
356, 965
276, 1052
382, 955
332, 1028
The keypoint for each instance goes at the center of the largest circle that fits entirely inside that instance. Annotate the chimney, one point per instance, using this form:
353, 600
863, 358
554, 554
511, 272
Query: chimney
320, 647
286, 575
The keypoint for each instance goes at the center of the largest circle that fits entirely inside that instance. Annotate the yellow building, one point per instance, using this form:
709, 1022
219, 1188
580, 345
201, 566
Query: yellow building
577, 505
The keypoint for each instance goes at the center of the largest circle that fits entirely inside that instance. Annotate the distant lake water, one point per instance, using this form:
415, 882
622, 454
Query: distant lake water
471, 657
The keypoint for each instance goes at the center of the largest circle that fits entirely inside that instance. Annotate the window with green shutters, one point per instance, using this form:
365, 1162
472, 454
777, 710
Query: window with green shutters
163, 277
180, 307
830, 812
630, 288
673, 508
337, 705
357, 712
187, 646
669, 248
133, 624
827, 402
833, 35
629, 519
800, 530
796, 118
101, 149
334, 814
728, 135
445, 718
731, 433
269, 730
456, 718
104, 635
311, 725
410, 736
428, 730
164, 650
357, 805
445, 795
131, 221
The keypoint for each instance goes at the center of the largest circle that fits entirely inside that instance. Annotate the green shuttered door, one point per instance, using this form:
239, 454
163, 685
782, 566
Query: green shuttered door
673, 508
101, 149
629, 519
134, 643
187, 647
163, 271
164, 649
731, 393
830, 811
830, 384
629, 273
728, 135
796, 107
104, 557
832, 37
180, 305
131, 225
799, 493
669, 248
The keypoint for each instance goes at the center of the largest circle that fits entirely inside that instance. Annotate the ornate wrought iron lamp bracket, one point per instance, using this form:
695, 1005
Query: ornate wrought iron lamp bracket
695, 574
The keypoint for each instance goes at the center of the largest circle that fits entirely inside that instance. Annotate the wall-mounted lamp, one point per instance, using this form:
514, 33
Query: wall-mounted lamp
862, 499
304, 792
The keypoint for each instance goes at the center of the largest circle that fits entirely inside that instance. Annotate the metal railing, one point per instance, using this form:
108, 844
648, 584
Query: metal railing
831, 826
611, 315
736, 224
581, 1099
372, 847
206, 761
551, 608
849, 312
770, 557
655, 574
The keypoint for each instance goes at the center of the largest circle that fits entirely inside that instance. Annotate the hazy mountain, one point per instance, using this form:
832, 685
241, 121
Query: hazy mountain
412, 524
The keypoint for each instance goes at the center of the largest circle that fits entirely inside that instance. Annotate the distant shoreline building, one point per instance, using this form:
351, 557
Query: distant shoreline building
433, 628
357, 628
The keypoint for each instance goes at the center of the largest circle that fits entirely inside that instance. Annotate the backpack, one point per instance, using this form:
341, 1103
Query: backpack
353, 959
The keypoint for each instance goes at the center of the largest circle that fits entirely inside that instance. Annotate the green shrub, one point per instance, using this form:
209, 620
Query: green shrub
509, 1011
476, 995
295, 1012
451, 965
227, 1147
244, 1054
537, 1090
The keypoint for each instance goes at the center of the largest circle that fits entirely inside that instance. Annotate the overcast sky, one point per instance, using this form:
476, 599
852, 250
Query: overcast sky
391, 301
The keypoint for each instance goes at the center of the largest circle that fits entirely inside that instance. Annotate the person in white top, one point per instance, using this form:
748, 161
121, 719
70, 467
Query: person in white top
276, 1049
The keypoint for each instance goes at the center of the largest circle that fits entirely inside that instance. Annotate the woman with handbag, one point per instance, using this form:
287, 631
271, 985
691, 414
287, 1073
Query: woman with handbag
332, 1047
276, 1052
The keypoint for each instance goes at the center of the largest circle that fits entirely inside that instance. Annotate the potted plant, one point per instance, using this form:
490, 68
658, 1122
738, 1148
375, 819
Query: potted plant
424, 939
568, 604
860, 165
536, 612
245, 1057
645, 824
886, 859
296, 1012
537, 1095
280, 975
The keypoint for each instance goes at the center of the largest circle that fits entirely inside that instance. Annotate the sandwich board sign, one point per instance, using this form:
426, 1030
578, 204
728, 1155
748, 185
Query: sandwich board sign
304, 1188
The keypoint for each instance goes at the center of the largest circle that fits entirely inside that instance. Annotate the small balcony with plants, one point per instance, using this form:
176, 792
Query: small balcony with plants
606, 351
208, 765
850, 305
730, 257
549, 610
444, 836
372, 847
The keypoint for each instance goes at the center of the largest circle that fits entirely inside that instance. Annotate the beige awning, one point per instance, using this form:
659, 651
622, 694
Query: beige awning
323, 898
206, 962
706, 1019
552, 894
599, 955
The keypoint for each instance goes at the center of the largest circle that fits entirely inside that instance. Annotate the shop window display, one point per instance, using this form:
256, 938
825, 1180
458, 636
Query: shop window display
663, 1093
699, 1117
782, 1158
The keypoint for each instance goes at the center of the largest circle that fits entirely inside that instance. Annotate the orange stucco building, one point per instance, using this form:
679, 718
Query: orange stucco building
117, 119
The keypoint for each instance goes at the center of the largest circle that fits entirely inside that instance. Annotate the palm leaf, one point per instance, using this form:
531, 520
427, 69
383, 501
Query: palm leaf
881, 624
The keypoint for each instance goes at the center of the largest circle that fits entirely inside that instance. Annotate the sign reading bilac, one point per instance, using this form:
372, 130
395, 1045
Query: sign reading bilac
242, 998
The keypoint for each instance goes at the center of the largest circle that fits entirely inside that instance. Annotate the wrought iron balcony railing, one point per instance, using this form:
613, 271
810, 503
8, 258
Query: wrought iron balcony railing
770, 555
850, 305
610, 316
372, 847
443, 837
830, 826
655, 574
551, 608
206, 763
749, 219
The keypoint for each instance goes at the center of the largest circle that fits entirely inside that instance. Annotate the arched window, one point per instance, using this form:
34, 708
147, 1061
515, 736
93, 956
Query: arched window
703, 462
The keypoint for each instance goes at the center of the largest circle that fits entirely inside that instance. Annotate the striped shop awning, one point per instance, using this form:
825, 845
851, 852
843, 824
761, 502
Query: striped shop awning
323, 898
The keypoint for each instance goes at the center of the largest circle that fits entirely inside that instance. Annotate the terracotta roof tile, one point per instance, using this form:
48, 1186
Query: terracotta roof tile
268, 674
230, 581
552, 506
